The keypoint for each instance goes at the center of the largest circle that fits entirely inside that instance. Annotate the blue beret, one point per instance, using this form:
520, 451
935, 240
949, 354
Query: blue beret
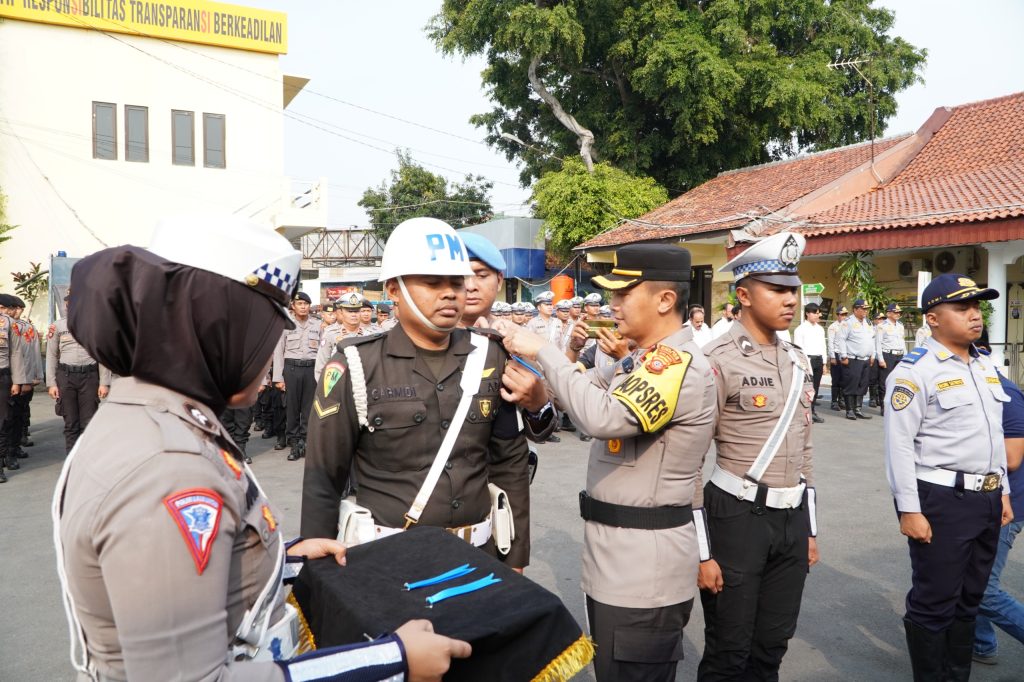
481, 249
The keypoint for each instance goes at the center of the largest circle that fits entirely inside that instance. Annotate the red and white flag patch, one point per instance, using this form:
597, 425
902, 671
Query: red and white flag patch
197, 512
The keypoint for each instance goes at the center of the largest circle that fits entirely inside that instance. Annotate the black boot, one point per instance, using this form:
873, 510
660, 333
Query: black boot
12, 461
281, 444
873, 390
858, 402
258, 426
247, 458
849, 407
927, 652
268, 433
816, 419
959, 651
3, 476
296, 452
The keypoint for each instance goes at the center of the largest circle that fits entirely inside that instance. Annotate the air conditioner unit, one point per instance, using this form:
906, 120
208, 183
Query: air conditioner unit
910, 268
955, 260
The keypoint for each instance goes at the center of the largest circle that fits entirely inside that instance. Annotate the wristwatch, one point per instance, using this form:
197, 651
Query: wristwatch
535, 416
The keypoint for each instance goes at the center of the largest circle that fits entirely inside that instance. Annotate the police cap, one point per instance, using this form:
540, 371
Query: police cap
637, 263
773, 260
893, 308
303, 296
480, 248
350, 301
953, 288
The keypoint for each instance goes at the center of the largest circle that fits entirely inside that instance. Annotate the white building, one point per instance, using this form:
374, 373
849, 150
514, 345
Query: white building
108, 123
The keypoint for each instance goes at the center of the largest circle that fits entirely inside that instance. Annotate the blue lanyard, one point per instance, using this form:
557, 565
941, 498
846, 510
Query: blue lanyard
462, 589
462, 570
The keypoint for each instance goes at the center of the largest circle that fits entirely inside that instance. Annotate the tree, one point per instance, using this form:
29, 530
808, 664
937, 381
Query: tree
678, 89
414, 191
576, 204
856, 272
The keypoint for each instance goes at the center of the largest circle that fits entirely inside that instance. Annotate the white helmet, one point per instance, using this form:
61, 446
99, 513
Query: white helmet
424, 246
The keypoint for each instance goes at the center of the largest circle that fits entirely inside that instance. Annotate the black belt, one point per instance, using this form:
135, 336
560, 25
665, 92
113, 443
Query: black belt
893, 352
5, 371
299, 363
77, 369
643, 518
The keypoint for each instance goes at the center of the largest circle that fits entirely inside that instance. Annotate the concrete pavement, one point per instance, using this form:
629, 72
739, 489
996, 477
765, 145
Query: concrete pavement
850, 626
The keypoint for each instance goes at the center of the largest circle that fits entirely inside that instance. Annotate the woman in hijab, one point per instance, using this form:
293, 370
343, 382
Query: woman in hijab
170, 555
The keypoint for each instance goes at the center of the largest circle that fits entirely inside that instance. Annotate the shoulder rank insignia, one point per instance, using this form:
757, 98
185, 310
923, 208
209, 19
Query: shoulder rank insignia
325, 412
232, 463
914, 355
197, 512
652, 391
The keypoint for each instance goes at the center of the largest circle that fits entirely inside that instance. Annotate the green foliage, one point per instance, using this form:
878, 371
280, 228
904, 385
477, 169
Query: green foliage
576, 205
856, 274
986, 312
680, 90
31, 284
459, 204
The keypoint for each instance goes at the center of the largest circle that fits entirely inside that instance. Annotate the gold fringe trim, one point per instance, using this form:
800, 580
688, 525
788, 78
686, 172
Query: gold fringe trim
569, 662
306, 641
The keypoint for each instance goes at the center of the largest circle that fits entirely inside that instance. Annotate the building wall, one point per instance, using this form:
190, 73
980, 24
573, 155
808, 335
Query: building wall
64, 200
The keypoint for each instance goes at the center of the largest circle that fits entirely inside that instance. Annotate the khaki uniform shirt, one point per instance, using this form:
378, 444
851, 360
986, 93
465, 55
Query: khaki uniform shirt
63, 349
753, 383
149, 612
550, 329
30, 350
301, 343
329, 338
651, 431
409, 411
12, 351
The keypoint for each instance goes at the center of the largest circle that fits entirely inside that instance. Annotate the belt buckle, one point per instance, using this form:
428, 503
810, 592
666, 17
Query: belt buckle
990, 483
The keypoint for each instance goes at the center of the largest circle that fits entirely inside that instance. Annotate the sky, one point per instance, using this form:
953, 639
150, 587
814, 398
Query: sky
371, 63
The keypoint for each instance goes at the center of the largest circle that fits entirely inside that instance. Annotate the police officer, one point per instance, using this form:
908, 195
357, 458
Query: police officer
519, 313
891, 346
366, 318
328, 316
14, 373
385, 320
16, 423
759, 503
545, 324
835, 363
946, 463
855, 343
294, 362
157, 489
652, 421
385, 403
923, 332
73, 379
350, 323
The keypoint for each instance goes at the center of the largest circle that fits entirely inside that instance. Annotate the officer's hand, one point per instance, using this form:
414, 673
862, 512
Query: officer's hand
15, 389
1007, 510
54, 392
916, 527
871, 362
832, 361
522, 387
279, 385
612, 344
846, 361
317, 548
709, 576
579, 335
812, 551
103, 392
429, 655
881, 363
518, 341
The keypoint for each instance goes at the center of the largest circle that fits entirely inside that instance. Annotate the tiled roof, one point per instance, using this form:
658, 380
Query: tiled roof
971, 170
735, 197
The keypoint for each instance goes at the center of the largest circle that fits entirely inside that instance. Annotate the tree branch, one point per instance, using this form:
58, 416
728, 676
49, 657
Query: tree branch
586, 137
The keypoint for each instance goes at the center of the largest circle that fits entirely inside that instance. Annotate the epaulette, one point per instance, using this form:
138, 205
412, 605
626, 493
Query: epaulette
914, 355
357, 340
492, 334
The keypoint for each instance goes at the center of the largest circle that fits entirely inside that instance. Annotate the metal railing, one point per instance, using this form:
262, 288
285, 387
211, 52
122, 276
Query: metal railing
1012, 364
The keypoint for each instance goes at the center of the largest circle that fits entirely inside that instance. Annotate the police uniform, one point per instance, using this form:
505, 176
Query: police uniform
383, 407
16, 423
855, 342
946, 459
891, 346
334, 333
651, 418
758, 524
170, 555
13, 370
551, 327
923, 332
78, 377
294, 361
836, 370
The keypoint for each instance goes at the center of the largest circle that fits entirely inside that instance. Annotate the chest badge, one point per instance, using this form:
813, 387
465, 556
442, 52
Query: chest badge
614, 446
760, 400
485, 408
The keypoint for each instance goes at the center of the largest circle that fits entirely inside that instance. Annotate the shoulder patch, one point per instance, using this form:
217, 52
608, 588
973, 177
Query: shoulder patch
901, 397
652, 390
914, 355
197, 513
50, 331
333, 373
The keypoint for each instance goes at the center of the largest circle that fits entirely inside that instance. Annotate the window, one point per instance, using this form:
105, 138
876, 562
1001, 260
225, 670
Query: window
213, 141
136, 133
104, 131
183, 138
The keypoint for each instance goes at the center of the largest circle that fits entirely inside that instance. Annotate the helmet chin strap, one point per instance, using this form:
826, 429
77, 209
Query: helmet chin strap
417, 311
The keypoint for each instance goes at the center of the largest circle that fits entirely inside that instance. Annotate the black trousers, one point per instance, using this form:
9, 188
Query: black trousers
17, 417
883, 372
237, 422
637, 645
78, 402
817, 368
837, 378
299, 388
855, 378
5, 407
763, 558
951, 572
